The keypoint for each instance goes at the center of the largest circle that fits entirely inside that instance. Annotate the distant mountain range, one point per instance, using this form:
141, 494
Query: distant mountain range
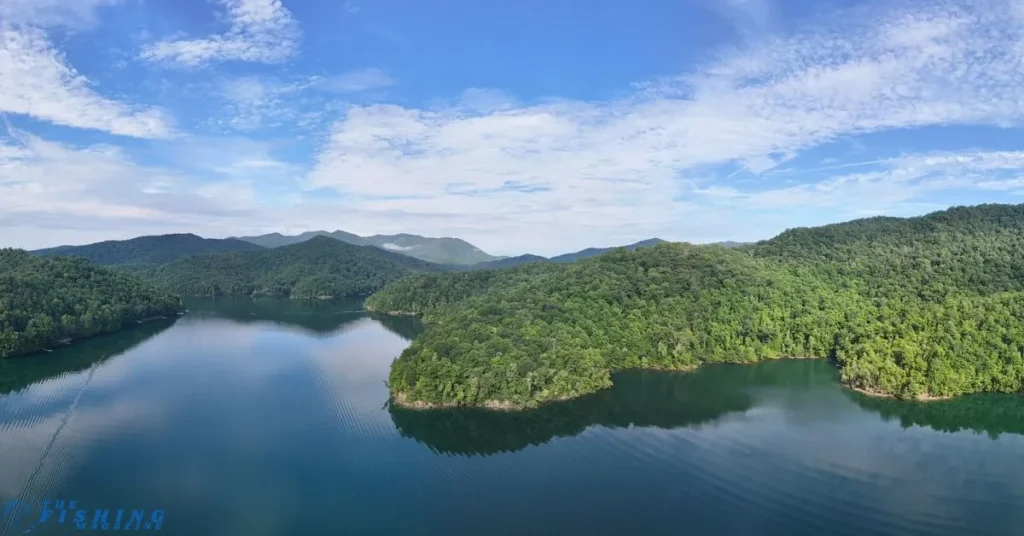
593, 252
509, 262
435, 250
149, 250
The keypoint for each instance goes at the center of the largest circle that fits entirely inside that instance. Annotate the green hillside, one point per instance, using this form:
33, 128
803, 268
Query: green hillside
44, 301
318, 268
149, 250
919, 307
594, 252
450, 251
508, 262
436, 250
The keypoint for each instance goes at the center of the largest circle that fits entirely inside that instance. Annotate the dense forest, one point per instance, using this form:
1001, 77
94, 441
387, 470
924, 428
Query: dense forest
47, 300
146, 251
913, 308
318, 268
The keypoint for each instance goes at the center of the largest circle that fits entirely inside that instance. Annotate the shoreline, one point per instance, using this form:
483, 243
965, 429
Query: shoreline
68, 342
392, 313
879, 394
498, 405
418, 405
504, 405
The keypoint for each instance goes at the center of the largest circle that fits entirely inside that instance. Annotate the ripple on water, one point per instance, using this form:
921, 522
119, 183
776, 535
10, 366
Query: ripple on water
222, 412
809, 475
37, 447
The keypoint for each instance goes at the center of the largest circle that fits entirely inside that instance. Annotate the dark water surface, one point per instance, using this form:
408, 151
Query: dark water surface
270, 418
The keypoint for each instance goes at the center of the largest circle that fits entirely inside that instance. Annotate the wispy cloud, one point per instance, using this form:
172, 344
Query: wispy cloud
750, 17
35, 80
254, 102
99, 187
356, 81
551, 176
77, 14
261, 31
886, 184
618, 166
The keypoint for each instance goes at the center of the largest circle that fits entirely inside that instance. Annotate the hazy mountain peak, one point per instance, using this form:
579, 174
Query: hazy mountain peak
155, 249
445, 250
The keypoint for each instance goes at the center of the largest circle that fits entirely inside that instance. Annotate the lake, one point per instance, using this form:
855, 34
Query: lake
269, 417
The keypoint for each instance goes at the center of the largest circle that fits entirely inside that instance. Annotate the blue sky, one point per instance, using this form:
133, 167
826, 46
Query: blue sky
527, 126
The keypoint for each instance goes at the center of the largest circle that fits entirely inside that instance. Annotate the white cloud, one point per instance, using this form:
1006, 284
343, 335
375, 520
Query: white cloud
76, 14
261, 31
396, 247
98, 189
569, 171
895, 181
356, 81
254, 102
35, 80
560, 175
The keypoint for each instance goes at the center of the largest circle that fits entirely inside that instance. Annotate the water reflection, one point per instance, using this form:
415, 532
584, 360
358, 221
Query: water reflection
245, 419
406, 327
991, 414
227, 420
310, 317
637, 398
19, 373
807, 390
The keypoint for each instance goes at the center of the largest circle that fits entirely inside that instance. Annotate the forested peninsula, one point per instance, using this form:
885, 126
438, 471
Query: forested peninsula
914, 308
46, 301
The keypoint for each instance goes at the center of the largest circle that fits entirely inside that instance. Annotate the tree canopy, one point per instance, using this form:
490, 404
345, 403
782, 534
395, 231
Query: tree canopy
46, 300
917, 307
321, 267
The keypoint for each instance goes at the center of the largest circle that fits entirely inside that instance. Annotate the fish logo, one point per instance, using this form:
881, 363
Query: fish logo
17, 513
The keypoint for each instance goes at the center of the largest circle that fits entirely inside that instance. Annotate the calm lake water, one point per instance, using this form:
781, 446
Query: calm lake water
270, 418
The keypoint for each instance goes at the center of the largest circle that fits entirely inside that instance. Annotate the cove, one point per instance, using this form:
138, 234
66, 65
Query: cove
271, 417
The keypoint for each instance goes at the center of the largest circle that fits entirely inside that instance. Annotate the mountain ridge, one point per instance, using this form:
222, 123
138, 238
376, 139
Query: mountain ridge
321, 267
441, 250
587, 253
148, 249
